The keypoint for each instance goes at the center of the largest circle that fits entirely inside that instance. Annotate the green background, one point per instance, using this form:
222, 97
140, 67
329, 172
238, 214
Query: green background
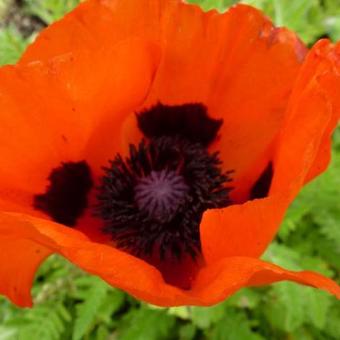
70, 304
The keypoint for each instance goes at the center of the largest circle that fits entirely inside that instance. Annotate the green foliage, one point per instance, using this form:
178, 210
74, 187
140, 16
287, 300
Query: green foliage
13, 39
144, 322
289, 306
221, 5
205, 317
93, 296
234, 326
12, 45
49, 10
311, 19
318, 207
48, 321
71, 305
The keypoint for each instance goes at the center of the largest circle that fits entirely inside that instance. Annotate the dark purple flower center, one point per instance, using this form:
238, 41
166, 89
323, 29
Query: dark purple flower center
152, 201
160, 194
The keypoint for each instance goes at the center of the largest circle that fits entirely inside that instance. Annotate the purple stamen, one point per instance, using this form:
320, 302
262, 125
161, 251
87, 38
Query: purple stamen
160, 194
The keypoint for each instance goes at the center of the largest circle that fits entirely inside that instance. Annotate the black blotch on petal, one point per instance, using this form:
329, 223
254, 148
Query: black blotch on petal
262, 186
66, 196
190, 121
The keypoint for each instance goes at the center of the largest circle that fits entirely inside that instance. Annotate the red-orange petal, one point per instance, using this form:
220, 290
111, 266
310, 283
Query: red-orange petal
247, 229
19, 260
54, 111
312, 115
327, 59
189, 39
225, 61
214, 283
242, 68
225, 277
95, 23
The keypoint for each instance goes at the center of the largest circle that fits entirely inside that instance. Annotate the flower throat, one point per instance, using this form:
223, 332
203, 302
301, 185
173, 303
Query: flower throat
152, 201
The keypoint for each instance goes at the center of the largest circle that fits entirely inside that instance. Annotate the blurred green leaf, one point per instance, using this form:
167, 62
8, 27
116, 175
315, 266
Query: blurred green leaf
285, 308
204, 317
245, 298
234, 326
146, 324
46, 322
332, 323
317, 304
180, 312
87, 310
50, 10
12, 45
187, 332
214, 4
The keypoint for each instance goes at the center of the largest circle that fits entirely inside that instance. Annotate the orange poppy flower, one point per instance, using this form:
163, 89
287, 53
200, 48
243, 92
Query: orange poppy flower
227, 117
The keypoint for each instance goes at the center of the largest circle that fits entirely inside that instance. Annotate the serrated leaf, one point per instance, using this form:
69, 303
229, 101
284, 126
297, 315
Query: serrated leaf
316, 264
12, 45
322, 196
146, 324
283, 256
333, 320
50, 10
45, 321
204, 317
290, 306
325, 248
86, 312
102, 333
245, 298
293, 219
187, 332
302, 334
317, 304
285, 309
329, 221
114, 300
234, 326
